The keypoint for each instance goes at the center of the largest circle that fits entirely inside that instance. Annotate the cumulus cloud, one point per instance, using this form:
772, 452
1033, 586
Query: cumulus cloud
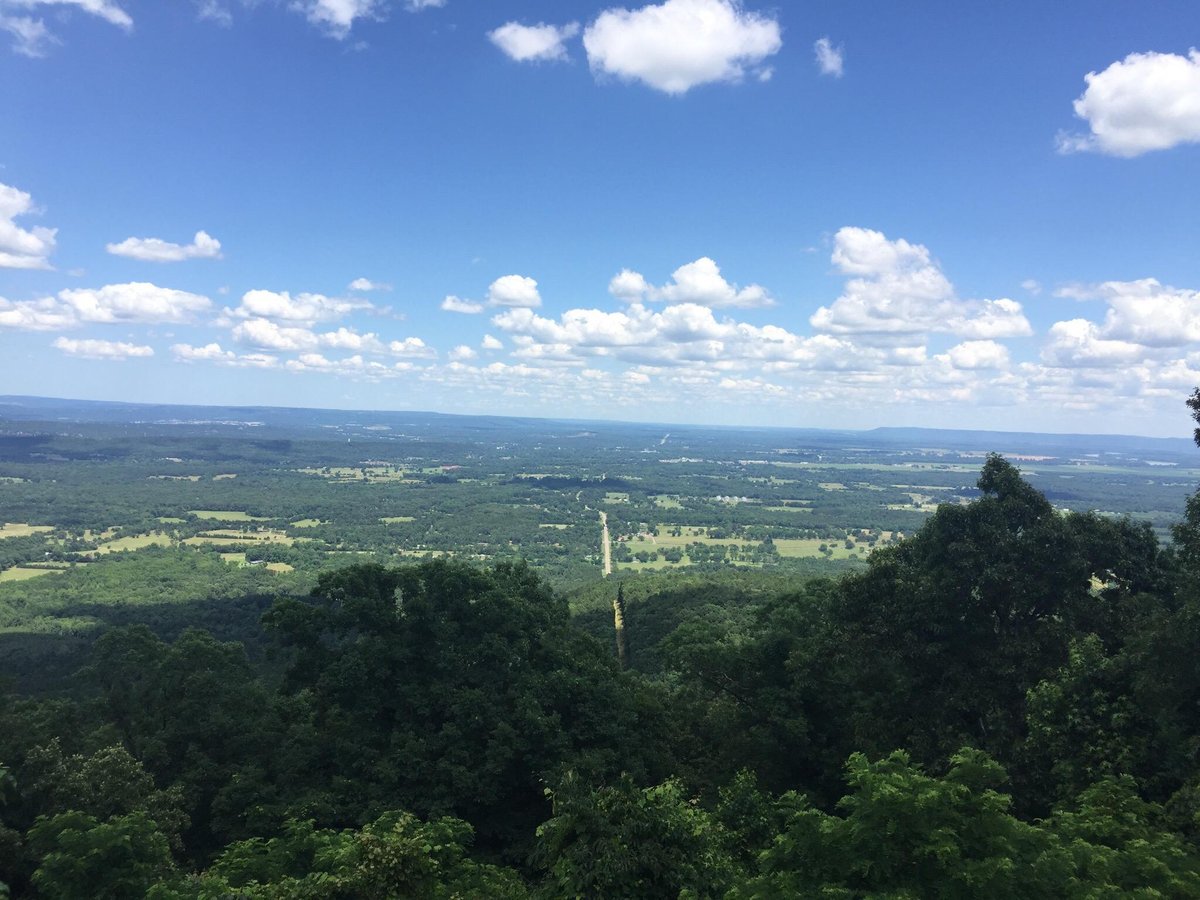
491, 343
207, 353
1079, 343
337, 17
534, 43
1147, 101
267, 335
203, 246
412, 347
978, 355
680, 44
830, 59
462, 351
896, 290
349, 339
307, 308
459, 305
1149, 313
514, 290
366, 284
92, 349
21, 248
697, 282
679, 335
137, 301
47, 314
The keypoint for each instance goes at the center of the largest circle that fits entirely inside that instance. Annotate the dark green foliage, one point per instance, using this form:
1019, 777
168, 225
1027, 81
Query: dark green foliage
624, 841
398, 856
447, 689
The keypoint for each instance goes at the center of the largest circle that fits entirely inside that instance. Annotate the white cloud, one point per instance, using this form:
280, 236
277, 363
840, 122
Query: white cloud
366, 284
21, 248
203, 246
337, 17
137, 301
680, 44
214, 11
459, 305
267, 335
697, 282
90, 349
680, 335
1147, 312
412, 347
830, 59
978, 355
534, 43
491, 343
105, 9
1079, 343
349, 339
418, 5
306, 308
1147, 101
897, 291
47, 314
513, 290
462, 351
31, 37
629, 286
208, 353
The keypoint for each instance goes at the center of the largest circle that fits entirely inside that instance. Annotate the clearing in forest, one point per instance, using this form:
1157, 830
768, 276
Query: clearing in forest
227, 515
18, 529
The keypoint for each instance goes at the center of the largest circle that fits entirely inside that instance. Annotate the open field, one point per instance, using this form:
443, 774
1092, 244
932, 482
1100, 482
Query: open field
20, 573
17, 529
134, 542
237, 536
227, 515
396, 520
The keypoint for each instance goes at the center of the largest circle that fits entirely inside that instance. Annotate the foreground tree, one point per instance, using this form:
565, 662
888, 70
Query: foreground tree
447, 689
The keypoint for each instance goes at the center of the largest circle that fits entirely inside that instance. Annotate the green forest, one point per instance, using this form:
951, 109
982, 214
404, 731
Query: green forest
1001, 701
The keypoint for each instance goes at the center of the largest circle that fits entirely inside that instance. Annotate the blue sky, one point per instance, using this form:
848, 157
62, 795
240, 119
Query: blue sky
822, 214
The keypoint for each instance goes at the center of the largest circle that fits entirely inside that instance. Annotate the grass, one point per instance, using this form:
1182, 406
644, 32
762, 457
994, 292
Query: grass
18, 529
616, 497
134, 542
237, 559
307, 523
235, 536
666, 501
20, 573
174, 477
789, 509
396, 520
559, 526
225, 476
227, 515
279, 567
170, 520
831, 486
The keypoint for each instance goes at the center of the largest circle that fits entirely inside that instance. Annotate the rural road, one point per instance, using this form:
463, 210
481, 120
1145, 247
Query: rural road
604, 543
